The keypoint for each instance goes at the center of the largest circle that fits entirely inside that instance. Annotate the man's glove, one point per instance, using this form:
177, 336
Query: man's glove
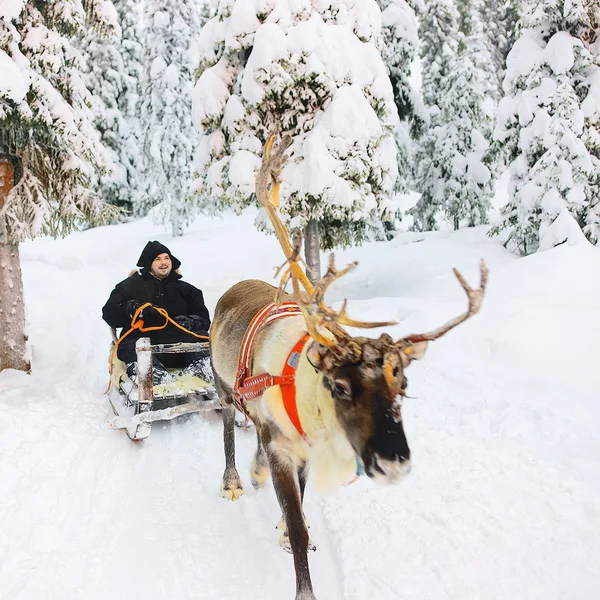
151, 317
131, 306
192, 323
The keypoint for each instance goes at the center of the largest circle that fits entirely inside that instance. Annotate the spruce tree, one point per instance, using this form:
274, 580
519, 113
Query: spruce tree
399, 51
439, 33
500, 18
114, 73
589, 33
48, 144
545, 127
470, 100
169, 138
314, 70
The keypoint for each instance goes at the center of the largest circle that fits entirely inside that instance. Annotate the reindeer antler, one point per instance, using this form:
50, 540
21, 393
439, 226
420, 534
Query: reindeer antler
323, 323
274, 159
475, 301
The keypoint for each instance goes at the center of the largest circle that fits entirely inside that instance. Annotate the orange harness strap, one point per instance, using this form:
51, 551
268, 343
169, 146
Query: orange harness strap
246, 387
288, 388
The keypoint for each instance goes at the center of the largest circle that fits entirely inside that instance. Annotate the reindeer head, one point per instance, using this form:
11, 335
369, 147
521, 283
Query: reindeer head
367, 381
365, 377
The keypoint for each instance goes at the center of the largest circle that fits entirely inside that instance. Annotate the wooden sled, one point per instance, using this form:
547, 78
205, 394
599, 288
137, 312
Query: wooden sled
137, 404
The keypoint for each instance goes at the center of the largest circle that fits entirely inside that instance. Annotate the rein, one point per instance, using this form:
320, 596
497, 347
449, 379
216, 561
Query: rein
137, 323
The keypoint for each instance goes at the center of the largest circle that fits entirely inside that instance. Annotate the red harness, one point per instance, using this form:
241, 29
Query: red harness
246, 387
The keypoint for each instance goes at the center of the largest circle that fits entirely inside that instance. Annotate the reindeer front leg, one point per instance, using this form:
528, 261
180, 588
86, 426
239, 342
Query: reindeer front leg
231, 486
284, 539
287, 488
260, 464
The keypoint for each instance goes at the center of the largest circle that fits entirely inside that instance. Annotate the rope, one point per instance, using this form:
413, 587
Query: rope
137, 323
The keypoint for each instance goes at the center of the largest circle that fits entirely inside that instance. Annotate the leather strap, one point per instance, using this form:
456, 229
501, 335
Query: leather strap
247, 388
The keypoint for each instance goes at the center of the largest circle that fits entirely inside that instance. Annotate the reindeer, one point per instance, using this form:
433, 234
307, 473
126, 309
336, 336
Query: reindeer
348, 390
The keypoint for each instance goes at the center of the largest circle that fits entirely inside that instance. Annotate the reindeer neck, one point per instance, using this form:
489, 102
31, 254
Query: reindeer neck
331, 457
316, 406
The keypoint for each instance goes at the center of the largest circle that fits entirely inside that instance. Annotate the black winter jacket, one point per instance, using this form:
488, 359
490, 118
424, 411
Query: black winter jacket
172, 294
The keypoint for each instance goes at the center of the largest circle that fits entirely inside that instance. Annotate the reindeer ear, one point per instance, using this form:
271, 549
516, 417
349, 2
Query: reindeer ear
315, 354
412, 352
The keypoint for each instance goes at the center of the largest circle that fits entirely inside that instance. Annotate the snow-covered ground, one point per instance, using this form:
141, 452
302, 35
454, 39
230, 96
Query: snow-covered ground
503, 501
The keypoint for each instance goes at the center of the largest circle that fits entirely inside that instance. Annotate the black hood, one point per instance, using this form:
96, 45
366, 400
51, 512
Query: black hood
151, 251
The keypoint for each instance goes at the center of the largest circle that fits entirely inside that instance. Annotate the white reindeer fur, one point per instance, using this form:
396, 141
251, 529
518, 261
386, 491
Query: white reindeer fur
330, 456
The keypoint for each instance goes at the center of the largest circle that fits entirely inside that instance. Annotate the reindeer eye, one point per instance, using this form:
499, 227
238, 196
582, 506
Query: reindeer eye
341, 388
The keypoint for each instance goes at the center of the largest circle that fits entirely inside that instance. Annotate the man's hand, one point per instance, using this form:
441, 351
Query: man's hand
185, 322
151, 317
131, 306
192, 323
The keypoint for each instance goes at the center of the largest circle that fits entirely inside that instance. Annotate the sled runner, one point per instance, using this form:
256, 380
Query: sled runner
137, 404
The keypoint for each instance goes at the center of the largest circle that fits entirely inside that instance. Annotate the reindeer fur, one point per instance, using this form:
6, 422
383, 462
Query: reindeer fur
330, 457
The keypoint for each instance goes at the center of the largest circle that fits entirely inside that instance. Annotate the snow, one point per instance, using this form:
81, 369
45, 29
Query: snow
559, 52
503, 501
14, 83
11, 9
591, 104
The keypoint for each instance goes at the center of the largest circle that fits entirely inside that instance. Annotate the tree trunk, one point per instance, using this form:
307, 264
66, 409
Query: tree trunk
312, 248
13, 347
176, 219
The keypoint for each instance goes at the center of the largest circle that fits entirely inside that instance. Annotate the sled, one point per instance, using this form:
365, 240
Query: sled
137, 404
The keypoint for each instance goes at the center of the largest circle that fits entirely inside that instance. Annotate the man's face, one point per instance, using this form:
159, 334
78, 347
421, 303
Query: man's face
162, 265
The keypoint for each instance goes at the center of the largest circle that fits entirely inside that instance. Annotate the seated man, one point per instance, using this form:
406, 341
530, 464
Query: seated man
159, 283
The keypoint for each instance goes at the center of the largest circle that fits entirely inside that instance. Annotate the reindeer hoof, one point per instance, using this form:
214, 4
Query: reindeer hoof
284, 542
231, 487
232, 493
259, 477
284, 538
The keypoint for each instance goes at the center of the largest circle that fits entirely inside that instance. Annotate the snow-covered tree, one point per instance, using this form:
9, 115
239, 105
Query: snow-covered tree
399, 51
589, 33
467, 114
114, 73
439, 34
47, 135
314, 69
500, 18
552, 101
167, 115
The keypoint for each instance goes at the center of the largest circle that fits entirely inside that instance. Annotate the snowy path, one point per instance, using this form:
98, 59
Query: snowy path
94, 516
503, 502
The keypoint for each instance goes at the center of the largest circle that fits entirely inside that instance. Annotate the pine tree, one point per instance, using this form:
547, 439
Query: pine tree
470, 100
314, 70
544, 125
47, 138
589, 33
439, 31
500, 18
399, 51
167, 117
114, 78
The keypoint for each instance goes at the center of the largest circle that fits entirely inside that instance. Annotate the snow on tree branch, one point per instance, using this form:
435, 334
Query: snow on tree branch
45, 120
316, 70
